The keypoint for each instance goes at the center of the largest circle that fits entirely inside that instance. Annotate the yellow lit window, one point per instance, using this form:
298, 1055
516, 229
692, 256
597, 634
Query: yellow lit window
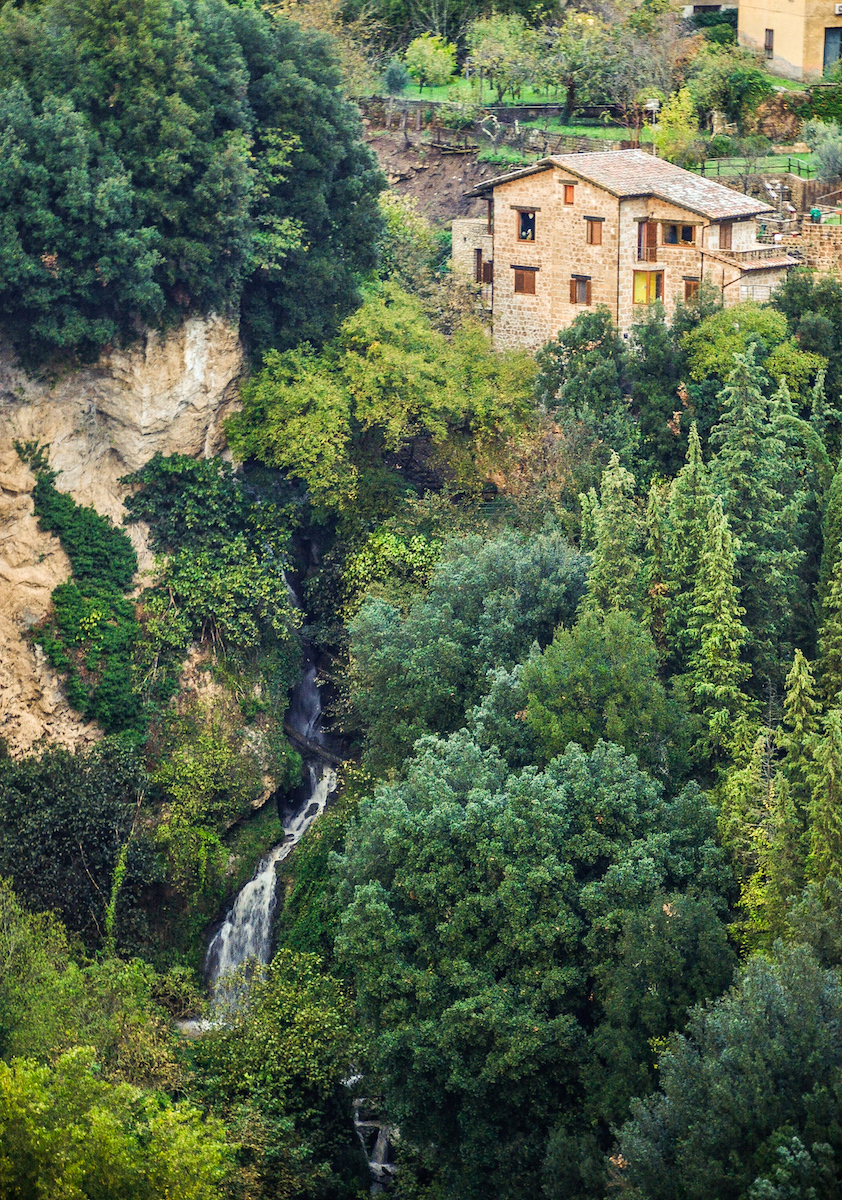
647, 287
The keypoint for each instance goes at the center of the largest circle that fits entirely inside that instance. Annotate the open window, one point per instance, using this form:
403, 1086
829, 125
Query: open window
679, 235
526, 225
647, 287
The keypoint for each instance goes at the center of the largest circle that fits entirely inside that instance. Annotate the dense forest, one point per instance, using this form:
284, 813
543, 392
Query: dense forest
570, 923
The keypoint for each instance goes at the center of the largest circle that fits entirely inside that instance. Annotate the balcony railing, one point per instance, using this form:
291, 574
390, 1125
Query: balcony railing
760, 252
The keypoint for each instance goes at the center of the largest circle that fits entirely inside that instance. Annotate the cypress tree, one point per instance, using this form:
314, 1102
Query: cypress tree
616, 577
689, 504
756, 479
716, 672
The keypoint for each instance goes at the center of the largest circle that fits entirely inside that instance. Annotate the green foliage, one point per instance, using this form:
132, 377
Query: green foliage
581, 377
749, 1097
200, 159
430, 60
615, 580
221, 581
486, 604
690, 499
504, 49
388, 386
273, 1067
92, 631
597, 681
65, 1132
711, 346
716, 670
757, 477
395, 78
82, 807
188, 502
494, 895
729, 80
52, 1002
410, 248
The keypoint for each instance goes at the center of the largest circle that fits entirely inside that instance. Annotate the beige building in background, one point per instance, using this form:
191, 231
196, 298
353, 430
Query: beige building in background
619, 228
800, 38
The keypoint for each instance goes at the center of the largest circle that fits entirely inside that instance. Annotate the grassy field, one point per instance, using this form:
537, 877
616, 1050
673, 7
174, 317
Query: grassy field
771, 163
466, 91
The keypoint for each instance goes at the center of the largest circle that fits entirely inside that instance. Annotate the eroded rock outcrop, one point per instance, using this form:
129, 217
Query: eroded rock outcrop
166, 393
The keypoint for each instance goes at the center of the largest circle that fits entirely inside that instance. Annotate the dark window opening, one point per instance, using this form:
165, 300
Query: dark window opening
478, 266
679, 235
769, 43
526, 226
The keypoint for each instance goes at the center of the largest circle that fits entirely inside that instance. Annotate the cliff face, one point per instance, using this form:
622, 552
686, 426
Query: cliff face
168, 394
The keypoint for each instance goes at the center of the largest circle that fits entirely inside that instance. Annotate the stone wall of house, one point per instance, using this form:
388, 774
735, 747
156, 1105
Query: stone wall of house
820, 247
470, 234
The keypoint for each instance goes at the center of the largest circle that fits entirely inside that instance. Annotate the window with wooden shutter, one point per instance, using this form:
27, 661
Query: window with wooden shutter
569, 193
769, 43
488, 272
525, 281
594, 231
725, 228
580, 290
478, 266
647, 241
691, 290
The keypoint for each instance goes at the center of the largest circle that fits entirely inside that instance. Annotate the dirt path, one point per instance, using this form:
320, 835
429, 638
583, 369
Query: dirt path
437, 181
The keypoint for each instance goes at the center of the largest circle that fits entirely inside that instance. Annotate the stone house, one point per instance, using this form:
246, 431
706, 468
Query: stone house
619, 228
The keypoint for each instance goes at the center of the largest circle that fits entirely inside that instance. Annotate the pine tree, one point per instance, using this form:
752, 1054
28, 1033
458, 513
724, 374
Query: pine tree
830, 640
687, 515
825, 812
757, 481
716, 672
616, 578
832, 534
656, 585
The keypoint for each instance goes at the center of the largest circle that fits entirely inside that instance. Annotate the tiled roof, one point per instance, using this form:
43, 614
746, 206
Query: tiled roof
627, 173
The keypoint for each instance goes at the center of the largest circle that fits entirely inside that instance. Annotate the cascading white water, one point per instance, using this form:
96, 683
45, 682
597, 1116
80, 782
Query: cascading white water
245, 934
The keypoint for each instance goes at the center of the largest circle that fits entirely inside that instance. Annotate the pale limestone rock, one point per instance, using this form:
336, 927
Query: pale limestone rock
167, 393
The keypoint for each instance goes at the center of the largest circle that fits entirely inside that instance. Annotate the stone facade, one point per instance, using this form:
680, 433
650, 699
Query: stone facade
820, 247
473, 248
563, 242
799, 32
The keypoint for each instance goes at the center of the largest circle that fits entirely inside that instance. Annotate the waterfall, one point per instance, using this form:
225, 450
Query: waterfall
246, 932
